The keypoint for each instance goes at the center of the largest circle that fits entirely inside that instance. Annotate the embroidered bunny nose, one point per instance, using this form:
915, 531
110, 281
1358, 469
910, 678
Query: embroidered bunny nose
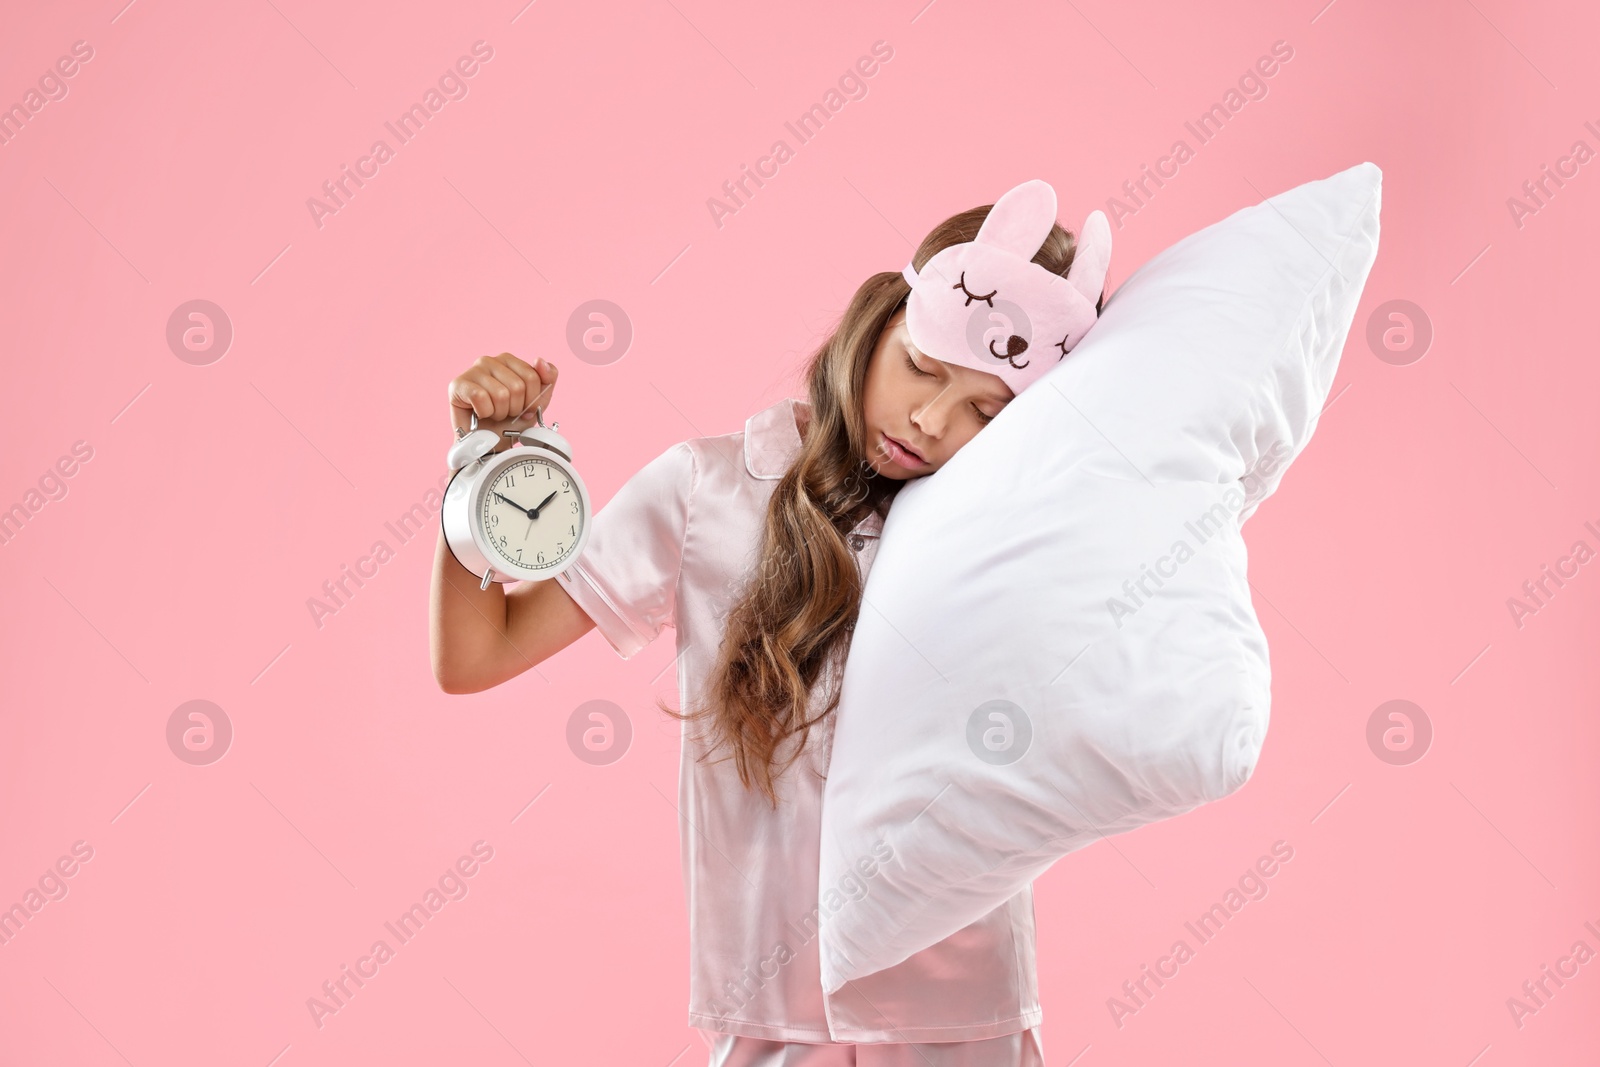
1015, 346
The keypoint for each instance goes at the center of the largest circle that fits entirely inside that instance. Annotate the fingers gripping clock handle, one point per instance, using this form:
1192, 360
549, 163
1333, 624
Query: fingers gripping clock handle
538, 419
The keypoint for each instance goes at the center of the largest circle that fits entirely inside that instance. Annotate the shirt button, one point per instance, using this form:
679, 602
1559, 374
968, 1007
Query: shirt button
856, 541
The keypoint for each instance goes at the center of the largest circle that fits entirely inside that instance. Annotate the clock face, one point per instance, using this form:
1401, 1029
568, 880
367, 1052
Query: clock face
531, 514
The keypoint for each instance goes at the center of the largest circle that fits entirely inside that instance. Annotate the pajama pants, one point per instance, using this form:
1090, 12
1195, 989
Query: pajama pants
1022, 1049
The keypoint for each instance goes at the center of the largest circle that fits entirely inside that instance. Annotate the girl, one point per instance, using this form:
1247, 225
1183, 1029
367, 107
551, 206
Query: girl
755, 546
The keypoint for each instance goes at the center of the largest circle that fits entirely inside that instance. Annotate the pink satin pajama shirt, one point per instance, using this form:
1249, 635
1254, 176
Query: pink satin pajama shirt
671, 549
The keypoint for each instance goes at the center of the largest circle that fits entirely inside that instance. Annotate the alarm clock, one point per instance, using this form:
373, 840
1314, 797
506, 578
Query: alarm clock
518, 515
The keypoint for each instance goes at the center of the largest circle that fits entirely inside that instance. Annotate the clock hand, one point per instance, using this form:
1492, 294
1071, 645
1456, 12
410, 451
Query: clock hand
534, 514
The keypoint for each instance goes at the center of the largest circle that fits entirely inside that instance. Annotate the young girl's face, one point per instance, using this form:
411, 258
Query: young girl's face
920, 410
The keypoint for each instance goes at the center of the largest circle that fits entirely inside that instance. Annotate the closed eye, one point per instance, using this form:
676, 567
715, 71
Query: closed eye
971, 296
983, 417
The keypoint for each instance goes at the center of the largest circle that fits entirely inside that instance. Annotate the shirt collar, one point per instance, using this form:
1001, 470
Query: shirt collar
772, 437
771, 440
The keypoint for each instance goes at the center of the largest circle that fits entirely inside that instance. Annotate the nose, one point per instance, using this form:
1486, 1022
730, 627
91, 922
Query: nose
931, 417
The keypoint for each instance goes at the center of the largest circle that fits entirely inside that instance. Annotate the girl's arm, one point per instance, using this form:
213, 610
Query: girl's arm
479, 638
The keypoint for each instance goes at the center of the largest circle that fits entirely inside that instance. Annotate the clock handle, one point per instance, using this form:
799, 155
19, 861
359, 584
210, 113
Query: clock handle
538, 419
474, 429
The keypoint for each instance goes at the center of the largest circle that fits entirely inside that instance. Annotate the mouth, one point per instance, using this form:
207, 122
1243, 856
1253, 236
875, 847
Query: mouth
903, 454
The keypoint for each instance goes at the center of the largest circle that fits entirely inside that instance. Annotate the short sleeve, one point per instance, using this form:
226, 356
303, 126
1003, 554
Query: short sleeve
626, 577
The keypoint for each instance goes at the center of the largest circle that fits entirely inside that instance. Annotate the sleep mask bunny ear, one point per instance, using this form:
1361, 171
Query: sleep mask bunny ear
985, 304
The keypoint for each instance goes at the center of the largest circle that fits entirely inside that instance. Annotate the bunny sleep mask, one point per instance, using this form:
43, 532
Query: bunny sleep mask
985, 304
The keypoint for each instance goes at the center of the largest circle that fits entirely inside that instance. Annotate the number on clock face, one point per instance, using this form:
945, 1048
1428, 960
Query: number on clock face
544, 538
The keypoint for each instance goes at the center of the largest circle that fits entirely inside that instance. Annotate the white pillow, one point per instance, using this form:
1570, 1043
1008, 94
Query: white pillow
1081, 559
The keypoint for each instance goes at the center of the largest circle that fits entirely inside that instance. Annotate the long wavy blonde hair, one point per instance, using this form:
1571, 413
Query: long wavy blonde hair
797, 608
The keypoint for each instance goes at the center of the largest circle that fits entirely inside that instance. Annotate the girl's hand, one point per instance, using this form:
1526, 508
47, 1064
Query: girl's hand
504, 391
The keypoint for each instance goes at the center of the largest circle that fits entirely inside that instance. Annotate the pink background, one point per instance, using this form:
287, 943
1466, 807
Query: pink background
220, 497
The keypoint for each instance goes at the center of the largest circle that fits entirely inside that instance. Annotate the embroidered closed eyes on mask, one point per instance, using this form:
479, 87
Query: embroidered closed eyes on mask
985, 304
